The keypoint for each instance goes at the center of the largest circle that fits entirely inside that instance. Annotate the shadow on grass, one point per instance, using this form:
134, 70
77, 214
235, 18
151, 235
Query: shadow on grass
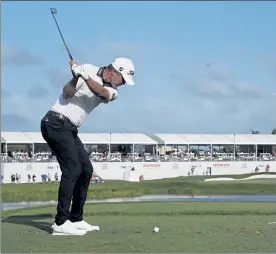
31, 220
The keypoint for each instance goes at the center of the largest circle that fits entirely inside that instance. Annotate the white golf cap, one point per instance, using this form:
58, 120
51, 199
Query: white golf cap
126, 68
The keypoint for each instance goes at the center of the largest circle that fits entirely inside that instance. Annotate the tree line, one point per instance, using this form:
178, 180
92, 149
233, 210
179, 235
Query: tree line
257, 132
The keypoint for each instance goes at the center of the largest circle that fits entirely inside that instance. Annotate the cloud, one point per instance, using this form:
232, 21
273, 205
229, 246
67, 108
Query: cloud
37, 91
5, 94
136, 50
14, 122
57, 77
262, 116
120, 48
219, 83
222, 102
22, 105
269, 62
102, 53
17, 56
149, 114
214, 100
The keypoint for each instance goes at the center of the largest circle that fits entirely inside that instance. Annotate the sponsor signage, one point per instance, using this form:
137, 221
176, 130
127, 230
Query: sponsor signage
175, 166
50, 166
196, 166
104, 166
29, 167
244, 165
153, 165
221, 165
125, 167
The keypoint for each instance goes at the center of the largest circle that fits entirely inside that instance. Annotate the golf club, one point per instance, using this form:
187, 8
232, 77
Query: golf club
54, 11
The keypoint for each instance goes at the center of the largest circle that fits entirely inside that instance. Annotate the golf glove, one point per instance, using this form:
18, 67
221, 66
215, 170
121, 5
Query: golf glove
78, 71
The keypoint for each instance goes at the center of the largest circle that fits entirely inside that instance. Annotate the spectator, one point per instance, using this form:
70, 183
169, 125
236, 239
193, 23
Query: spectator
56, 177
49, 178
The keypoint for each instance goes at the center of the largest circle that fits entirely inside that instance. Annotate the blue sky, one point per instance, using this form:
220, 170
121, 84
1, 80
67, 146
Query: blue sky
201, 67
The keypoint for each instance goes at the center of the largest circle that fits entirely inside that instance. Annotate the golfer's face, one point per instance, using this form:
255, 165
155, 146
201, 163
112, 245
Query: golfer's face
117, 79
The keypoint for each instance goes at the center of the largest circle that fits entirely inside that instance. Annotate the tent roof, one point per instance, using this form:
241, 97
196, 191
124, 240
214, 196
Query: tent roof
195, 139
35, 137
140, 138
171, 139
92, 138
127, 138
16, 138
217, 139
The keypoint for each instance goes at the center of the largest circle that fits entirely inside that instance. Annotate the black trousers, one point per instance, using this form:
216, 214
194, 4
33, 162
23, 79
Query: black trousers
62, 138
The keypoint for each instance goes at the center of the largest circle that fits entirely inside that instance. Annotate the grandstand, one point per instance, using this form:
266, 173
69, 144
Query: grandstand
138, 147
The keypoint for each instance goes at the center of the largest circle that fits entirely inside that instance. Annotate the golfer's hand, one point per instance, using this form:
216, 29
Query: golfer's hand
73, 62
78, 71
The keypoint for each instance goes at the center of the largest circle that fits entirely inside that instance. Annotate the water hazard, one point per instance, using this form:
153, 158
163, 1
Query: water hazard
154, 198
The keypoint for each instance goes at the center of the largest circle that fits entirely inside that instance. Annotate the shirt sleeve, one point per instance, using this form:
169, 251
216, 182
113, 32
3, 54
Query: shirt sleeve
113, 93
85, 66
81, 82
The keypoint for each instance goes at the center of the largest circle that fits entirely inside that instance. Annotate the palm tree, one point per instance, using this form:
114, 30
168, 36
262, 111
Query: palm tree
273, 131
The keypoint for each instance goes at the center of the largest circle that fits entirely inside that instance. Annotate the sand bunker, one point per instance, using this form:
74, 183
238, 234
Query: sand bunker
241, 179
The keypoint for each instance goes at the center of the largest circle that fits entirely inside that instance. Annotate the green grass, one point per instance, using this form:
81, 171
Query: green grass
110, 189
184, 227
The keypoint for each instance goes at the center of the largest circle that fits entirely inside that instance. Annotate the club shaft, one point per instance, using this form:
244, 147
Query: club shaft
68, 51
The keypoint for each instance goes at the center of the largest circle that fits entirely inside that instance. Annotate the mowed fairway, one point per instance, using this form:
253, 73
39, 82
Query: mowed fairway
184, 227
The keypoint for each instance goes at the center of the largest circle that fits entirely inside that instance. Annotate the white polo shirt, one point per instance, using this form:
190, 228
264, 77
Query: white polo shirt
84, 101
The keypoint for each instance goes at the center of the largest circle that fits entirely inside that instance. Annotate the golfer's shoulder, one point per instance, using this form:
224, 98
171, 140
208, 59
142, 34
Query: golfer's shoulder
91, 68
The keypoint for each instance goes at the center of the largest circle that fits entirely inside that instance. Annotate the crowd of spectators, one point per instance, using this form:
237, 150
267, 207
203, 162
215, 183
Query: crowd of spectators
194, 156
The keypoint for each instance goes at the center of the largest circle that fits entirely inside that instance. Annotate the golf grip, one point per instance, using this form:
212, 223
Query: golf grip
70, 56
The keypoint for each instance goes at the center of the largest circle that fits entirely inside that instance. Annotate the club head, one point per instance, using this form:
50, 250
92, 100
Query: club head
53, 10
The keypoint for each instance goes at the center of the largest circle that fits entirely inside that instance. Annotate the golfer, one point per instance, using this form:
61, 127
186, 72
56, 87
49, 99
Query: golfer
89, 87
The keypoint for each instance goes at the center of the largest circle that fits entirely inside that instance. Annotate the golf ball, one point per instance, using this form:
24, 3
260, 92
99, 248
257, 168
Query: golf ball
156, 229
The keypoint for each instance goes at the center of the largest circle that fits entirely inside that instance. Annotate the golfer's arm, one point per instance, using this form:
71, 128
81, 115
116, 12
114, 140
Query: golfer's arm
71, 83
70, 88
97, 89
